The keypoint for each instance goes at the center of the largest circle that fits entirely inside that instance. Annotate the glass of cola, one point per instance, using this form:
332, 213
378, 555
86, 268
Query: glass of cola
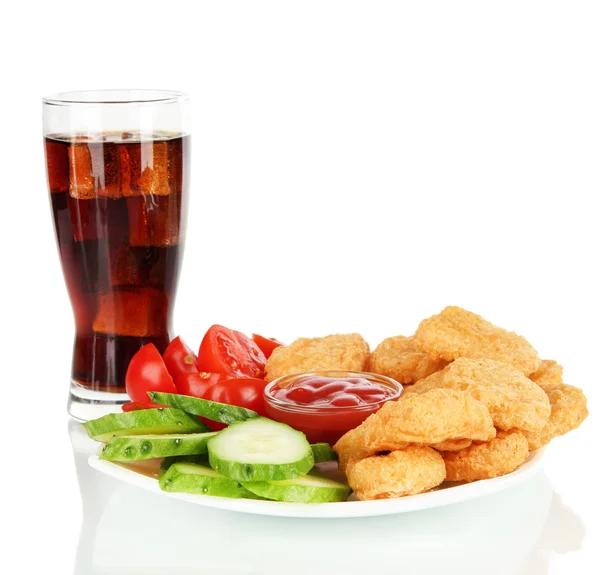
118, 175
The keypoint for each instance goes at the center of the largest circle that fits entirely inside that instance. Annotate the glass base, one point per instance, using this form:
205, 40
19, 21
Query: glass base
85, 404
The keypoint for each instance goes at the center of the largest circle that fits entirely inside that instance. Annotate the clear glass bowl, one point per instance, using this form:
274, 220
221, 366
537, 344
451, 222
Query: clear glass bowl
325, 422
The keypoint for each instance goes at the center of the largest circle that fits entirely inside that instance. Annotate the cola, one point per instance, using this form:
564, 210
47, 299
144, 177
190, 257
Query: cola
119, 203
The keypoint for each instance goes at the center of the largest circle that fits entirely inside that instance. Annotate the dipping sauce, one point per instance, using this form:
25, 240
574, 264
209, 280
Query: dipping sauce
325, 405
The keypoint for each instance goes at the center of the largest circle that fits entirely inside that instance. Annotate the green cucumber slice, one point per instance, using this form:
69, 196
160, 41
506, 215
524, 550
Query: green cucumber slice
202, 480
305, 489
260, 450
323, 452
133, 447
172, 459
212, 410
156, 421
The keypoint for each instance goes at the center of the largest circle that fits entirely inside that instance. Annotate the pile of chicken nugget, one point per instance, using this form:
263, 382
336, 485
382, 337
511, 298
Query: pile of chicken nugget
477, 400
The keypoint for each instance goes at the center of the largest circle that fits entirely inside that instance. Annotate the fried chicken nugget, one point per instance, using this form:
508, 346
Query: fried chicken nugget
456, 332
514, 401
413, 470
437, 416
499, 456
399, 358
569, 409
548, 374
451, 445
347, 352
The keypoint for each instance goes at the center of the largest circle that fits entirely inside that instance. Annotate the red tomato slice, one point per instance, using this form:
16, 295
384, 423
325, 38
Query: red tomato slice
196, 384
179, 358
213, 425
136, 405
266, 344
230, 353
147, 372
243, 392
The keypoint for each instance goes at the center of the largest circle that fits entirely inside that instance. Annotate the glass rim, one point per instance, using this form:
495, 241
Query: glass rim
110, 96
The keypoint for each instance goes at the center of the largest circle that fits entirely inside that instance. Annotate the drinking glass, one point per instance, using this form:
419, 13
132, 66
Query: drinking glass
118, 175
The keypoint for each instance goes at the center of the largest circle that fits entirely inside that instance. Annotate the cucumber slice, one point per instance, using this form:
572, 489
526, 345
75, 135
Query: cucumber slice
212, 410
133, 447
201, 479
172, 459
154, 421
305, 489
260, 450
323, 452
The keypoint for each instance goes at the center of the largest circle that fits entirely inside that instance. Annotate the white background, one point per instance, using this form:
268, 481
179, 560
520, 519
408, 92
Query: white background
356, 166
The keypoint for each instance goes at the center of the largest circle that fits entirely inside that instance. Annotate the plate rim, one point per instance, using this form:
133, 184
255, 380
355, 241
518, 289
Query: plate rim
343, 509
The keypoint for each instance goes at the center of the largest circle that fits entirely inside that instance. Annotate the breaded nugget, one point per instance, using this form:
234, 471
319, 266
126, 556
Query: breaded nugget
499, 456
399, 358
548, 375
569, 409
413, 470
430, 418
335, 352
455, 333
451, 445
514, 401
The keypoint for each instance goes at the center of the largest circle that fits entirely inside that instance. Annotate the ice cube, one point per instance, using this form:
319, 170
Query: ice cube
145, 168
140, 312
82, 183
154, 220
94, 170
87, 218
117, 221
125, 265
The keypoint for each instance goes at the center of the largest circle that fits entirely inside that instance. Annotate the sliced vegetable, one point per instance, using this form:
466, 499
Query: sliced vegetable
136, 405
147, 372
143, 422
304, 489
230, 353
260, 450
220, 412
266, 344
134, 447
196, 384
323, 452
179, 358
244, 392
171, 460
200, 479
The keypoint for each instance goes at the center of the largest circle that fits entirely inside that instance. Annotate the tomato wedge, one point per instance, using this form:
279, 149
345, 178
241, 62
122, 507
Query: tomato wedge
196, 384
147, 372
243, 392
230, 353
179, 358
266, 344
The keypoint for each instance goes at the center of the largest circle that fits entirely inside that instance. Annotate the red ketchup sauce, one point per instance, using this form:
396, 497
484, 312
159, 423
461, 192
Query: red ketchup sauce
325, 407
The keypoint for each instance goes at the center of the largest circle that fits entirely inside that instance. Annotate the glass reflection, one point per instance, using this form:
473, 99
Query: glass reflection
128, 531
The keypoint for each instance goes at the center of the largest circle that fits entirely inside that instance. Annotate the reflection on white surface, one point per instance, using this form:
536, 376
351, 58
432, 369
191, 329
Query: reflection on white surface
562, 533
128, 531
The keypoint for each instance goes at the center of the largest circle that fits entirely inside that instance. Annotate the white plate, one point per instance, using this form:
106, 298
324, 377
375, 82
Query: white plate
446, 495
